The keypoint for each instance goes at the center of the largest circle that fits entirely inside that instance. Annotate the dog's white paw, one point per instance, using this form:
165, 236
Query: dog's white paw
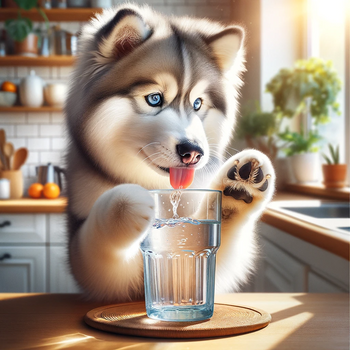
247, 176
133, 210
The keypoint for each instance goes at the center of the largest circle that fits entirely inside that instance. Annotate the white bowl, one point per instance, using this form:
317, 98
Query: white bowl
55, 94
7, 99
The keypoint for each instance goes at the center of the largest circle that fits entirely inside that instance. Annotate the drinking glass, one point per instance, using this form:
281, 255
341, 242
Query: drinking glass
179, 255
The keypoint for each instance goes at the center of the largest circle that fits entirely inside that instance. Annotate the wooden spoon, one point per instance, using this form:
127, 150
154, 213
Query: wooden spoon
9, 150
2, 143
19, 158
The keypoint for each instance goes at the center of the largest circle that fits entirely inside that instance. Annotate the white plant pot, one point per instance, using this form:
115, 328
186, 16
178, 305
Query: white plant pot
306, 167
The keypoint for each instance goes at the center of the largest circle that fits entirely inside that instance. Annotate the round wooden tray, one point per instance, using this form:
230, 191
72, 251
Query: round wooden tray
131, 319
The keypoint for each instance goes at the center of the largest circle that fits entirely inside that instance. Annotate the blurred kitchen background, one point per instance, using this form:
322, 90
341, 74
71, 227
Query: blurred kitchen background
294, 104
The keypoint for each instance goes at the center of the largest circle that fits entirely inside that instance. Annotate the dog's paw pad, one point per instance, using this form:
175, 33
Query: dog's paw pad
238, 194
249, 174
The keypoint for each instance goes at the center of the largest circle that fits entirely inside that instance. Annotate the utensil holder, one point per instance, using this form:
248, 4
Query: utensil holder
16, 182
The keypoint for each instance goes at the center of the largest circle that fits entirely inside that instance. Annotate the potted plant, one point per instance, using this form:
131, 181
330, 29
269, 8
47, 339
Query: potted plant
308, 91
21, 30
259, 130
334, 173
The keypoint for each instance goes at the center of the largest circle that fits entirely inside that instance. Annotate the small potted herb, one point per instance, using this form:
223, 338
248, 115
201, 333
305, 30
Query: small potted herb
334, 173
21, 30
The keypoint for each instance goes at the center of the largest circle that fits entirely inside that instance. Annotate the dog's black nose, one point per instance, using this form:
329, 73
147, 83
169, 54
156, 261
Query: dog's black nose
189, 152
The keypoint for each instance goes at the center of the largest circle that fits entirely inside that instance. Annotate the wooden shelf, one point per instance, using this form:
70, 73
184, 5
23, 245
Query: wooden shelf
58, 15
18, 109
61, 61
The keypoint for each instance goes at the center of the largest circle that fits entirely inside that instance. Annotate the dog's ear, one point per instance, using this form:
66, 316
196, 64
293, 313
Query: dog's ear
226, 45
125, 32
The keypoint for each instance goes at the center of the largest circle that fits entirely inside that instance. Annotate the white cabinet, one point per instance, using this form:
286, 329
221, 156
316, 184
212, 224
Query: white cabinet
22, 269
289, 264
61, 280
33, 254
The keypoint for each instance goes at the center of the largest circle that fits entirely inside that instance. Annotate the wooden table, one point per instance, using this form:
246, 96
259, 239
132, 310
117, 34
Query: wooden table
55, 321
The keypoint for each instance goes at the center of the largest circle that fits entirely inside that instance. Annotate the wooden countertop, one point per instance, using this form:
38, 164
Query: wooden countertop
29, 205
55, 321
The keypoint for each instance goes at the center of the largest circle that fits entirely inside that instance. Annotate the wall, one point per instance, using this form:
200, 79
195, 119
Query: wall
43, 133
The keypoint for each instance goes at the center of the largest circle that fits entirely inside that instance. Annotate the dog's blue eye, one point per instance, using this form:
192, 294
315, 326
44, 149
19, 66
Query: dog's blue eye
155, 99
197, 104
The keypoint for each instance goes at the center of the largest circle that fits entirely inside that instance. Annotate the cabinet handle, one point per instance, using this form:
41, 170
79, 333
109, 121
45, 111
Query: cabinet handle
5, 223
5, 256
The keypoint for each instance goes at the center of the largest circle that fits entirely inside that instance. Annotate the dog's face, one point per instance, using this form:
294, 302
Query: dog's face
157, 94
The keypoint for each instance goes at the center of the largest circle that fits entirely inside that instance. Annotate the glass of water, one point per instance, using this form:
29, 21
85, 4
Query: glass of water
179, 254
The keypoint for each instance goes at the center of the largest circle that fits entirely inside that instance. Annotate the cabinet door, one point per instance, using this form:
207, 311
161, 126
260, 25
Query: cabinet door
280, 272
22, 228
22, 269
61, 280
319, 284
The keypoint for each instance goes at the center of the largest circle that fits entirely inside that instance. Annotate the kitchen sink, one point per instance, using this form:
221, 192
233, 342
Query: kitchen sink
324, 211
328, 214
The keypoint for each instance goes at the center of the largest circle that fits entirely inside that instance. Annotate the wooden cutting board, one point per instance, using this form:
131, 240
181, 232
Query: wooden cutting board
131, 319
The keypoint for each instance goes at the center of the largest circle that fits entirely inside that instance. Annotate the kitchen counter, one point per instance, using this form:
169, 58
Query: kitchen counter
319, 236
29, 205
55, 321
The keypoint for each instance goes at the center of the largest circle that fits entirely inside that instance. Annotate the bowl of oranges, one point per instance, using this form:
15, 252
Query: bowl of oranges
8, 94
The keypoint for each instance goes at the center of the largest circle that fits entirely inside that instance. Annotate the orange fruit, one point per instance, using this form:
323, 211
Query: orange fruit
51, 190
8, 86
35, 190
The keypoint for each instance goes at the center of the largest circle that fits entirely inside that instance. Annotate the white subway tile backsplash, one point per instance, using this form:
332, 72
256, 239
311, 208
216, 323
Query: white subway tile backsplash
7, 73
57, 117
50, 157
39, 144
17, 142
42, 72
12, 118
9, 129
51, 130
27, 130
38, 118
65, 72
22, 72
58, 143
33, 158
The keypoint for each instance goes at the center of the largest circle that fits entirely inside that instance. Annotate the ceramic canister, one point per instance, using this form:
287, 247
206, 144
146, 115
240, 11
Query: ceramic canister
31, 91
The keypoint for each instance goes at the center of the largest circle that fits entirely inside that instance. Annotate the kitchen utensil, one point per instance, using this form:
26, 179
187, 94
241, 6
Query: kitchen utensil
16, 182
7, 99
2, 144
43, 172
31, 91
19, 158
55, 94
9, 150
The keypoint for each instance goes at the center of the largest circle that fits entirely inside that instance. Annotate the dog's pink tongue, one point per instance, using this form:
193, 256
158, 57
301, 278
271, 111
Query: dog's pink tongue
181, 177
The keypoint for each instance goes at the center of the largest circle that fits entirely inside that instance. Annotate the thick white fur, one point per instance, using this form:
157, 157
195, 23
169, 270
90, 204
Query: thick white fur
104, 253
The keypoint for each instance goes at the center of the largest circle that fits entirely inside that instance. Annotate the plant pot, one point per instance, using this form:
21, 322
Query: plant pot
27, 47
334, 175
306, 167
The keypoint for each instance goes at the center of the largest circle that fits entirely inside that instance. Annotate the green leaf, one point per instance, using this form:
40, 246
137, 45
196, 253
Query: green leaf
26, 4
18, 29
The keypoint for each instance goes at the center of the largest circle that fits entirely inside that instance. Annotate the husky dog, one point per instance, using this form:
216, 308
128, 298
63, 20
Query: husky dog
150, 92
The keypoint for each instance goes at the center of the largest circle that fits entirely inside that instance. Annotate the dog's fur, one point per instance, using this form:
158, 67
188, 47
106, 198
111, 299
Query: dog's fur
121, 146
